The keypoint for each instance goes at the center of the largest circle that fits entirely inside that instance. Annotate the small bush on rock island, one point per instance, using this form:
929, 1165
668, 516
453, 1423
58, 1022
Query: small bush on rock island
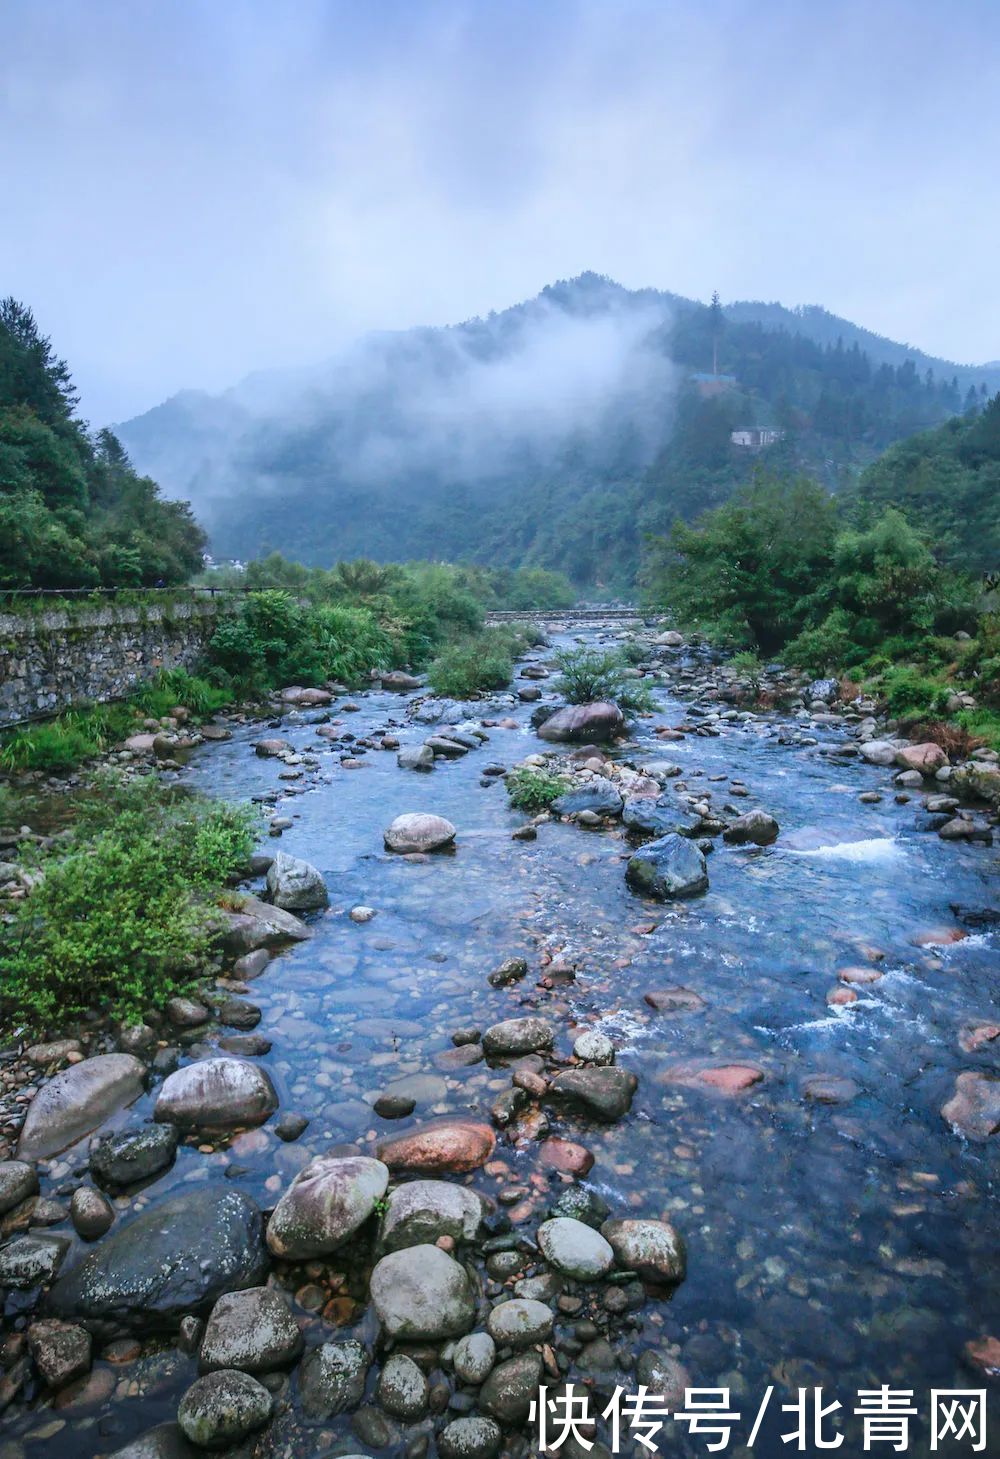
589, 676
534, 790
122, 916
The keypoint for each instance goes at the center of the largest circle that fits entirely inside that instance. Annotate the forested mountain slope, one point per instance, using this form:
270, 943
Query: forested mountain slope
556, 433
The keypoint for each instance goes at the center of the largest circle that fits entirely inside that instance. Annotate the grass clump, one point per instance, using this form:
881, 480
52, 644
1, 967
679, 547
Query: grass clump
534, 790
588, 675
123, 915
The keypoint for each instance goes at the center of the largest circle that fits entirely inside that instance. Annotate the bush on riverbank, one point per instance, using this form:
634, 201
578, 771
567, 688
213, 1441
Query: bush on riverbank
121, 917
781, 570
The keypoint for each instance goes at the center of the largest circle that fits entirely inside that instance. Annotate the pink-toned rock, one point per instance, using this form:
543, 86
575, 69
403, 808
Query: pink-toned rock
675, 1000
974, 1108
830, 1089
840, 997
939, 936
141, 744
982, 1354
977, 1035
859, 977
452, 1145
927, 758
729, 1079
601, 720
566, 1155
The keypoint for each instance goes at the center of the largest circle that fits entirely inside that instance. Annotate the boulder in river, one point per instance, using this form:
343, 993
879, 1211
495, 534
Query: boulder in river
224, 1408
77, 1101
756, 827
421, 1293
255, 924
398, 681
61, 1350
878, 752
456, 1146
470, 1438
654, 1249
599, 795
216, 1094
516, 1036
31, 1261
661, 816
668, 868
415, 757
582, 723
178, 1256
510, 1389
974, 1107
18, 1181
296, 885
419, 1212
604, 1092
519, 1323
252, 1330
332, 1378
418, 831
575, 1249
133, 1155
402, 1388
325, 1204
927, 758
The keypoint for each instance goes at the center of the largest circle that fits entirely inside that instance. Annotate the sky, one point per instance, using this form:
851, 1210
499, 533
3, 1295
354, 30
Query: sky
197, 189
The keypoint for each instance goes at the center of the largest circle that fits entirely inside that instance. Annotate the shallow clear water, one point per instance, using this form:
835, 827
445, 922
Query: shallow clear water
848, 1245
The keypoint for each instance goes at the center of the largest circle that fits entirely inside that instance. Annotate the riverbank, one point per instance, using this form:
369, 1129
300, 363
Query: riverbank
834, 1221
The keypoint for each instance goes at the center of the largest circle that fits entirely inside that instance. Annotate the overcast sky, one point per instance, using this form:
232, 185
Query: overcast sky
193, 189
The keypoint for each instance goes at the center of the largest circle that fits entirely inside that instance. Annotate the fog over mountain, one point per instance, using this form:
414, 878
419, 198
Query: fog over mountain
464, 440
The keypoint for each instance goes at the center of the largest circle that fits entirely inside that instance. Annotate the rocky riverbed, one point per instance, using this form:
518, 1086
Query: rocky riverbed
689, 1082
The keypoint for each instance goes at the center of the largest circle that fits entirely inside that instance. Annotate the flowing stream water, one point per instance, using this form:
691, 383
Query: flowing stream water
847, 1245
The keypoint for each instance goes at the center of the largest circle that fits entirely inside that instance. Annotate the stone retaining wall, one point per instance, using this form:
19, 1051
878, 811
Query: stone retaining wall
71, 654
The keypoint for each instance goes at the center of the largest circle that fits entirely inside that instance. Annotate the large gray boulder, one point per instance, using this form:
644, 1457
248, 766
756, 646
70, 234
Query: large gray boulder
77, 1101
668, 868
325, 1204
332, 1378
415, 757
31, 1261
252, 1330
516, 1036
418, 831
165, 1441
177, 1257
421, 1293
402, 1388
575, 1249
470, 1438
654, 1249
224, 1408
474, 1357
133, 1155
660, 817
18, 1181
216, 1094
417, 1213
756, 828
604, 1092
257, 924
584, 723
520, 1322
296, 885
599, 795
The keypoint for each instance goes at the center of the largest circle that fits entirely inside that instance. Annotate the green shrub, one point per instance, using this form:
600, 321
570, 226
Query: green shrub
588, 675
534, 790
474, 666
907, 692
122, 917
173, 688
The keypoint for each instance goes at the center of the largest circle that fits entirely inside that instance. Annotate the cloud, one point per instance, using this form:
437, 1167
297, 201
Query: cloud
197, 190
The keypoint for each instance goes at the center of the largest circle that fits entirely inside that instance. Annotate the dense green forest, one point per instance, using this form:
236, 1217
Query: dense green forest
947, 481
554, 434
73, 512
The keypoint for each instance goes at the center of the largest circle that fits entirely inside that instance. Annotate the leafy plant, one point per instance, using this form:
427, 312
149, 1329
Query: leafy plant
474, 666
588, 675
123, 916
534, 789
